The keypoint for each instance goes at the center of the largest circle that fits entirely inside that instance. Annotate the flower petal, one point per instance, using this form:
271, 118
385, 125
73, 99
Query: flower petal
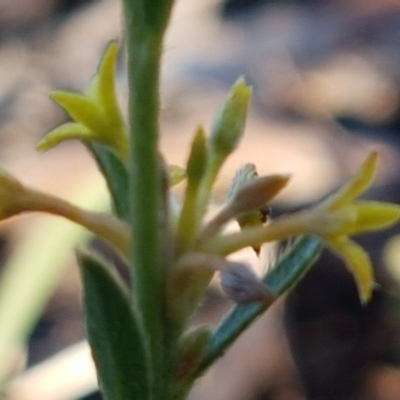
98, 111
102, 87
70, 130
372, 215
358, 263
81, 109
355, 186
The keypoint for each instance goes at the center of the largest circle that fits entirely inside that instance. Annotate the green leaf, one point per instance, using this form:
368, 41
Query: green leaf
113, 333
116, 176
293, 265
288, 271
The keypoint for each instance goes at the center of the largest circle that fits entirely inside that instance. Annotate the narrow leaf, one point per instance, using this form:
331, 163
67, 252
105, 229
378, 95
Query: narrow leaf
290, 268
116, 176
113, 333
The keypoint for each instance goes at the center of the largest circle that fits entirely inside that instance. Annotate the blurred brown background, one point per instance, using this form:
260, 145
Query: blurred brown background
326, 77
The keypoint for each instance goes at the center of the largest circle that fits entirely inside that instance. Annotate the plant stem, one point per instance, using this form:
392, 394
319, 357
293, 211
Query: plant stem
145, 24
143, 64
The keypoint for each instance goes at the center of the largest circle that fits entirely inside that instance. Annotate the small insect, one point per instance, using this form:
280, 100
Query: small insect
265, 213
253, 218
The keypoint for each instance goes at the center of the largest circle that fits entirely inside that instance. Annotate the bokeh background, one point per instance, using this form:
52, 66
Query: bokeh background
326, 77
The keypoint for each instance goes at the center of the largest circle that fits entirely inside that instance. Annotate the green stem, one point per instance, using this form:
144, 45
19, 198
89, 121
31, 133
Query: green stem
143, 70
145, 24
188, 221
214, 166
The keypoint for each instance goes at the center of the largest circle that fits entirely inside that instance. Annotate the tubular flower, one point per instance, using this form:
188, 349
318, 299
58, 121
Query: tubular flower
333, 220
15, 198
348, 217
96, 115
341, 215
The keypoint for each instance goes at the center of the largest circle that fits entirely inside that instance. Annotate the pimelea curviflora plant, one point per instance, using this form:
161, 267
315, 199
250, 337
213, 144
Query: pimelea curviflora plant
138, 334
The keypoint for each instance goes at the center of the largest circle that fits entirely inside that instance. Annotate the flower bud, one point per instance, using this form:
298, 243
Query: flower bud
257, 193
229, 124
242, 285
191, 349
187, 283
248, 198
197, 162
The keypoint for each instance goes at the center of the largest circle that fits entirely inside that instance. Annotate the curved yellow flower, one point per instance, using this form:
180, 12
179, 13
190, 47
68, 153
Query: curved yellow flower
333, 220
16, 198
340, 216
96, 115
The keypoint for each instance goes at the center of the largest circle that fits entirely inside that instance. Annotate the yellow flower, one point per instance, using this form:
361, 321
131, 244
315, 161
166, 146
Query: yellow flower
333, 220
340, 216
16, 198
96, 115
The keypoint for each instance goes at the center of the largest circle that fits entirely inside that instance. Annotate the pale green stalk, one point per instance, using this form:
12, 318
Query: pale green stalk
145, 23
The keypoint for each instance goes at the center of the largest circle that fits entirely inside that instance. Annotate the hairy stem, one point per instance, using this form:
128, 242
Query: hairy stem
145, 24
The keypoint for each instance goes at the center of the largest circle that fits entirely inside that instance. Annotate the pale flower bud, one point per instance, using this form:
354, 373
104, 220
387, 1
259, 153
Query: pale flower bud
258, 192
242, 285
191, 349
197, 162
230, 122
247, 200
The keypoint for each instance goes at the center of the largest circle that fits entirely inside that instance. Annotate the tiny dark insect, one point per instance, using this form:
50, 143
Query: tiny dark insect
265, 213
